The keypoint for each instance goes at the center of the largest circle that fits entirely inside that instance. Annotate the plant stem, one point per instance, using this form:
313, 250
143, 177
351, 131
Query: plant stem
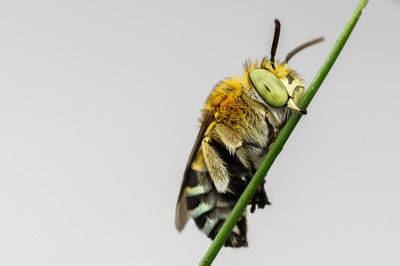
277, 146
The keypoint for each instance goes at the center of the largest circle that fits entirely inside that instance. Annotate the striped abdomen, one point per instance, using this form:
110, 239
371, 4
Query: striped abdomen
210, 209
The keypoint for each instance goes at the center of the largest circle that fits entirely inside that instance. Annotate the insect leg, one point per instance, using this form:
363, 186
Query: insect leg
228, 137
260, 198
215, 165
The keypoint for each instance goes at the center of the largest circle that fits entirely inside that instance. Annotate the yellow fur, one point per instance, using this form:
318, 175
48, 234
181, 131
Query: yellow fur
240, 116
228, 104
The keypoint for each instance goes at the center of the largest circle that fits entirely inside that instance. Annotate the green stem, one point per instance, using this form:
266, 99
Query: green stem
277, 146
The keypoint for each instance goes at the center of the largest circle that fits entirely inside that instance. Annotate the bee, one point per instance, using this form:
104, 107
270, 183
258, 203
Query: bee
240, 120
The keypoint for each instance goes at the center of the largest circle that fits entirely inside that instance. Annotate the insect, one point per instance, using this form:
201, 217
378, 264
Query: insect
240, 120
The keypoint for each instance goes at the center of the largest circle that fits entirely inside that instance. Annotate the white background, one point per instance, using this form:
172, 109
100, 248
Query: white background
99, 103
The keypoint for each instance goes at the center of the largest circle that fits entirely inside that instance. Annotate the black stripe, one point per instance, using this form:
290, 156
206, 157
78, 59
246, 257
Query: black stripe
216, 228
193, 201
192, 179
201, 220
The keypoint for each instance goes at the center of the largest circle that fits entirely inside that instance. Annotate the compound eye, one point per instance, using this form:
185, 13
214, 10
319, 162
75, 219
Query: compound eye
270, 88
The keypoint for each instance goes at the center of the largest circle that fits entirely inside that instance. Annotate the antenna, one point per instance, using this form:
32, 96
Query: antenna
301, 47
275, 42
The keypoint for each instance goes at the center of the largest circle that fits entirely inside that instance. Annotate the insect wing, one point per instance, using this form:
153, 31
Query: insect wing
181, 214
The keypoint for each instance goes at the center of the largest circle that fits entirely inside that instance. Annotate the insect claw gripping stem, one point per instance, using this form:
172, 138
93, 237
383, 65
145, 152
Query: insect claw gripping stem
259, 199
